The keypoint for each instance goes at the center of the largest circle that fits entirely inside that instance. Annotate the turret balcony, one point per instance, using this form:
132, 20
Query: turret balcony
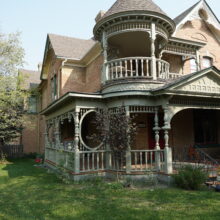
136, 68
135, 73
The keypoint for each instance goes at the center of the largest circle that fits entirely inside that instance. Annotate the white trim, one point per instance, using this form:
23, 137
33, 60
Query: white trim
80, 132
65, 58
194, 13
71, 95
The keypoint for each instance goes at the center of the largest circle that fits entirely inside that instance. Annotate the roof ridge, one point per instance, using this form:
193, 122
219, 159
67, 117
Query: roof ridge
70, 47
76, 38
182, 15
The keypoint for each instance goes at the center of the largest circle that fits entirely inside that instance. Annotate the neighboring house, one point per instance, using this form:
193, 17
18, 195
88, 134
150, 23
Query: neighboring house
165, 71
30, 134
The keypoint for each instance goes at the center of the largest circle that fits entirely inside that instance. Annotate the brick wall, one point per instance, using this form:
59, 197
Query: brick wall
198, 30
175, 61
30, 134
141, 140
72, 79
93, 75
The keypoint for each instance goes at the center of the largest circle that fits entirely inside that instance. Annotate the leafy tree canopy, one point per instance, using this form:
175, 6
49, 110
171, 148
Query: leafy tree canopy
11, 95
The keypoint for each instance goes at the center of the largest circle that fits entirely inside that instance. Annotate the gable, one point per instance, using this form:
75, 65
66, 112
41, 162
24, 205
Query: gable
203, 83
209, 83
200, 11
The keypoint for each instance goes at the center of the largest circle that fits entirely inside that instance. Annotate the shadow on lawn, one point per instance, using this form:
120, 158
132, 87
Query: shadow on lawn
21, 167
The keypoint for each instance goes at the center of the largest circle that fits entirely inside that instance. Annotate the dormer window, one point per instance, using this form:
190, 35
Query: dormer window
206, 62
193, 65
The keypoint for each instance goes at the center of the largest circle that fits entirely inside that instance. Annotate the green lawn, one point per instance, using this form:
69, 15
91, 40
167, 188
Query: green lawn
28, 192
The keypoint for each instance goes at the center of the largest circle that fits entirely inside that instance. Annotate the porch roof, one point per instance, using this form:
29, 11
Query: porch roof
204, 83
67, 98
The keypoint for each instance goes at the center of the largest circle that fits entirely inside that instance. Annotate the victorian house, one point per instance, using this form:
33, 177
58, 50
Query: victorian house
163, 70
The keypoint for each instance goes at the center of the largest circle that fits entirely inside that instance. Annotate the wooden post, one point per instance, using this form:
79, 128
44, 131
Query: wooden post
76, 147
105, 71
168, 168
157, 138
46, 144
153, 57
128, 150
57, 133
46, 139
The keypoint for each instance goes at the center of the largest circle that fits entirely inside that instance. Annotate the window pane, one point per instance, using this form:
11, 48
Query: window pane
32, 105
193, 66
207, 62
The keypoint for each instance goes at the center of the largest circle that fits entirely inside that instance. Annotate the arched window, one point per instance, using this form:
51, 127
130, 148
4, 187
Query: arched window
206, 62
193, 65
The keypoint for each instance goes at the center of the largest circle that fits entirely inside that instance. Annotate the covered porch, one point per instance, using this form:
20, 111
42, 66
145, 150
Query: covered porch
67, 145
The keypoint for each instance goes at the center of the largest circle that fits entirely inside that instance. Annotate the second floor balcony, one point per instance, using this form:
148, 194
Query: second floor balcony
146, 68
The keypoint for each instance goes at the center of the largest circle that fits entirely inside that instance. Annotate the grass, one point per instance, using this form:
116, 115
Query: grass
28, 192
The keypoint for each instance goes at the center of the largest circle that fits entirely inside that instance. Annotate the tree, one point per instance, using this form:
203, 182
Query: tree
115, 130
11, 94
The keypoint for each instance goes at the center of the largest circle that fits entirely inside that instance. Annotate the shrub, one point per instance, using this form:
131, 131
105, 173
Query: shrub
190, 177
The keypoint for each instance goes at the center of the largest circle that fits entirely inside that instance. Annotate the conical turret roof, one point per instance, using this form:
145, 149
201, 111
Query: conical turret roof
133, 5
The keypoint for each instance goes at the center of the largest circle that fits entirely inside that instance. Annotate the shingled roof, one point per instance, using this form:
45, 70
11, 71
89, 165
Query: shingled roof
133, 5
70, 47
180, 17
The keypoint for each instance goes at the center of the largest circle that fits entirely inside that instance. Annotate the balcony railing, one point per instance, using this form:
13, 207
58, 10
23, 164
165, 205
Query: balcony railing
136, 67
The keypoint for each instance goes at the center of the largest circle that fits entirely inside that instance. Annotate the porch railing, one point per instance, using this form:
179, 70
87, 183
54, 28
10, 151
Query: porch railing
147, 160
103, 160
92, 160
135, 67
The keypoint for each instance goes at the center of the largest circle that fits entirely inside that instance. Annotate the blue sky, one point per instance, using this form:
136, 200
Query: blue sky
36, 18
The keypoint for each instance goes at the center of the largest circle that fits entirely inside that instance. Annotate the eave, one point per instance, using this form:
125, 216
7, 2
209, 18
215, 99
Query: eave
68, 97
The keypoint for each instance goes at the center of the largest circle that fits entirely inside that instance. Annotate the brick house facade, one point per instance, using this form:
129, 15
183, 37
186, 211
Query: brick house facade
163, 70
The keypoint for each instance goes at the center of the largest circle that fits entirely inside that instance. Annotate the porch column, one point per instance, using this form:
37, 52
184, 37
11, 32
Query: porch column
153, 57
157, 138
105, 70
128, 151
76, 142
168, 168
108, 158
46, 140
57, 133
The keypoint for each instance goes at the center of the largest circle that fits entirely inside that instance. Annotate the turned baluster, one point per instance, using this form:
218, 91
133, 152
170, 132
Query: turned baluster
120, 70
126, 69
131, 63
142, 67
147, 67
136, 67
